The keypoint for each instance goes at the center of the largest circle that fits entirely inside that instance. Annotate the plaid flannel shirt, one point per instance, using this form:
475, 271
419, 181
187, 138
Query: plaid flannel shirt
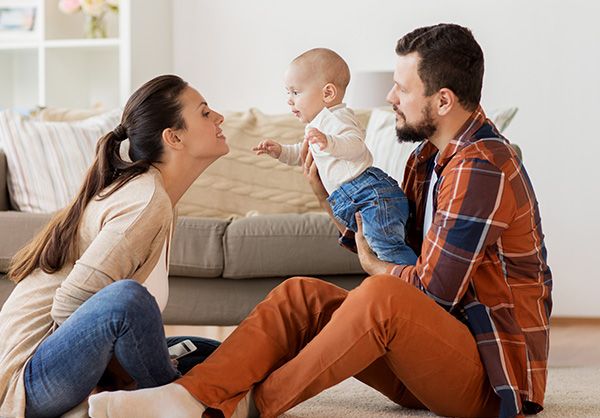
484, 258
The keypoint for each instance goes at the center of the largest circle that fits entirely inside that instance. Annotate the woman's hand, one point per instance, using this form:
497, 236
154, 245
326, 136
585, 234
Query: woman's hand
174, 362
368, 260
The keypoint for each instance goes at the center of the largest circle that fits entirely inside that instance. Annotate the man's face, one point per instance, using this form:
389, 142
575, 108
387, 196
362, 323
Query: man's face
414, 117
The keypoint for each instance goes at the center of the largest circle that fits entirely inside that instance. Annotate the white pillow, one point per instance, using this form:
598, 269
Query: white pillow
48, 160
502, 117
388, 154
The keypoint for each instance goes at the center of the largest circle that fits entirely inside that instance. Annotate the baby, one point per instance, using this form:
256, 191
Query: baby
316, 82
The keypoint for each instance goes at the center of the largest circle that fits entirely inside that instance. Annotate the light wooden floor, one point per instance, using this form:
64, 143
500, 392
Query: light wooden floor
573, 342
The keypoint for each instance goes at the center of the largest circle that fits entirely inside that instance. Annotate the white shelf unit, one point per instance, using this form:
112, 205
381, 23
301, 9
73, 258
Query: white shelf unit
57, 67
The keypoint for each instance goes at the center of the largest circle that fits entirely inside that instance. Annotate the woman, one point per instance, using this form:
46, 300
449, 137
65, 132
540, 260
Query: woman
71, 311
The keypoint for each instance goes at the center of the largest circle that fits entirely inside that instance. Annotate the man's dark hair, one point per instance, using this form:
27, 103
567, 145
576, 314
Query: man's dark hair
450, 58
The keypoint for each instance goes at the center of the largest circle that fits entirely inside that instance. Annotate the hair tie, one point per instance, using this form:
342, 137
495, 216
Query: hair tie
120, 133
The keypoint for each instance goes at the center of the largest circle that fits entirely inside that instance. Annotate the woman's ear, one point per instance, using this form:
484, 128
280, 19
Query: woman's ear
330, 92
446, 101
171, 139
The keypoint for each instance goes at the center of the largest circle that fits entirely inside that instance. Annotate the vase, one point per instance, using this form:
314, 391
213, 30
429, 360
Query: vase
95, 26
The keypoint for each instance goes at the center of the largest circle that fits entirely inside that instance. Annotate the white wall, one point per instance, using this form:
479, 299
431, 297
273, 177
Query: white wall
151, 40
541, 55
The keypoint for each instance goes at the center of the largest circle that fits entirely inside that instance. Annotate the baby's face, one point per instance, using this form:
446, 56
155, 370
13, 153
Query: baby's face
305, 93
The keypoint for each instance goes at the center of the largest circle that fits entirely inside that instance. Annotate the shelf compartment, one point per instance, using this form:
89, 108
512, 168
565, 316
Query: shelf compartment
81, 78
19, 78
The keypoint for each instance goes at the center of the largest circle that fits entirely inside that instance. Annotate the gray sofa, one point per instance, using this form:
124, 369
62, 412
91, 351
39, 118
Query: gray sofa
219, 269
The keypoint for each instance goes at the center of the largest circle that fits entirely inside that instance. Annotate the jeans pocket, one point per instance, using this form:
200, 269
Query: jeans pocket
393, 214
342, 208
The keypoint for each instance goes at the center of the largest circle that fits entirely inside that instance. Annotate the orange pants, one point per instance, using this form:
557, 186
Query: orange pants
309, 335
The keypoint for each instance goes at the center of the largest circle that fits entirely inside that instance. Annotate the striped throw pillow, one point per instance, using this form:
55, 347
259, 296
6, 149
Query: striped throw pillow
48, 160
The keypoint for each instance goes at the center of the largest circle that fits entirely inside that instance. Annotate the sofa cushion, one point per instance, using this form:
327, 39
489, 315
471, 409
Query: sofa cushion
285, 245
16, 230
197, 249
65, 114
6, 288
4, 199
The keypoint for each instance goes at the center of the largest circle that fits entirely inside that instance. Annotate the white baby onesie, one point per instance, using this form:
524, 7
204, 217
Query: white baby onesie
346, 155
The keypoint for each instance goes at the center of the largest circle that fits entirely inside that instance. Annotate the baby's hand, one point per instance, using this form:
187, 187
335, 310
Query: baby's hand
314, 136
269, 147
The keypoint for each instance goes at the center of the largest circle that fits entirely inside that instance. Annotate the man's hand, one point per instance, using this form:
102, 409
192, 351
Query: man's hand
312, 173
314, 136
368, 259
269, 147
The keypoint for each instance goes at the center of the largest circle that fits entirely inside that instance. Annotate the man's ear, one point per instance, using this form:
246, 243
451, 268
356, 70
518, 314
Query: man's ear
447, 100
170, 139
330, 92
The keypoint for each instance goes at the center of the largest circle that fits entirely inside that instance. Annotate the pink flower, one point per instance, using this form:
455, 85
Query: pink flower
69, 6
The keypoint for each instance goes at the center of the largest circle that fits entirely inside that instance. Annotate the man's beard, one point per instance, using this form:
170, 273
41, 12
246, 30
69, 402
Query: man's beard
419, 132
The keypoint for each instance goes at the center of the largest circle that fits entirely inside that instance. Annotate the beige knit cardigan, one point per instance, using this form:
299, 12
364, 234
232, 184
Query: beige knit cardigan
119, 237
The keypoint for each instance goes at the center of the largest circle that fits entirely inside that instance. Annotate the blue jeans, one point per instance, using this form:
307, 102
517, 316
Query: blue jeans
123, 320
384, 210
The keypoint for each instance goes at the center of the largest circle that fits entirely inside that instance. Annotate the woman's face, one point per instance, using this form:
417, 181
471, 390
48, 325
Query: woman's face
202, 135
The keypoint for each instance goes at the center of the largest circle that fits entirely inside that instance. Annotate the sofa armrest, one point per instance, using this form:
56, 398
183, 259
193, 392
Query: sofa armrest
16, 230
4, 200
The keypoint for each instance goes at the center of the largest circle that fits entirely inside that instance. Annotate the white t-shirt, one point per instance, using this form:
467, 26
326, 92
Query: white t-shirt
346, 156
157, 282
428, 218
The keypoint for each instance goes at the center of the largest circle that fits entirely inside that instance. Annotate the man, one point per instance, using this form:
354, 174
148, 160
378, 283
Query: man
476, 219
464, 332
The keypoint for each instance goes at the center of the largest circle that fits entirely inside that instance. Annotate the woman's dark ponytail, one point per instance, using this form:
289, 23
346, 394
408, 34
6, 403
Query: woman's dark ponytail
153, 108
